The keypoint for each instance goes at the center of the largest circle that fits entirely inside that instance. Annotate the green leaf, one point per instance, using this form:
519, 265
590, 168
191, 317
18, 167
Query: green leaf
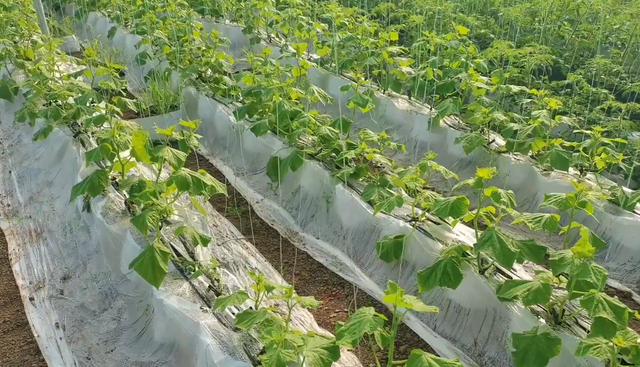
598, 348
174, 157
609, 314
500, 245
530, 250
539, 221
103, 151
471, 141
141, 146
530, 292
448, 107
391, 248
197, 183
307, 301
534, 350
419, 358
248, 318
97, 120
589, 240
557, 158
153, 263
234, 299
277, 168
43, 133
295, 160
445, 272
196, 238
561, 262
117, 167
149, 218
277, 356
364, 321
168, 132
8, 89
586, 276
462, 30
396, 296
558, 201
320, 351
92, 185
342, 124
453, 206
500, 196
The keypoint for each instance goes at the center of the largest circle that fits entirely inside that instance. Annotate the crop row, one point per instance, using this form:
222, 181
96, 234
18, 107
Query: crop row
450, 72
386, 200
97, 114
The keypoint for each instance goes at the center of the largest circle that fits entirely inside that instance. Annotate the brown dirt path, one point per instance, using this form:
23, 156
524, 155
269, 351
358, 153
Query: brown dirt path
18, 347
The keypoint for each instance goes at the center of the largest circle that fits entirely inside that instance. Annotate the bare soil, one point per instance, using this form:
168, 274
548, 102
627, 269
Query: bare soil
18, 346
309, 277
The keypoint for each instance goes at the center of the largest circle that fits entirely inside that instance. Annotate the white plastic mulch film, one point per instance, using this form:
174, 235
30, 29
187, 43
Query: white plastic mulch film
85, 307
332, 224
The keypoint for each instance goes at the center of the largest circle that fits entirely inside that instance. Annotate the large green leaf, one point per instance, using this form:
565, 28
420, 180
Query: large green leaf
391, 248
500, 245
141, 146
197, 183
444, 272
153, 263
103, 151
530, 292
584, 277
8, 89
276, 356
557, 158
453, 206
321, 351
533, 349
196, 238
248, 318
530, 250
500, 196
598, 348
234, 299
609, 314
364, 321
538, 221
448, 107
148, 219
558, 201
174, 157
419, 358
92, 185
277, 168
342, 124
43, 132
561, 262
471, 141
396, 296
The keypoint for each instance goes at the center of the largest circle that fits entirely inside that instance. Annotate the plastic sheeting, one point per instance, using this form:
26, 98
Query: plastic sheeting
85, 307
331, 223
409, 123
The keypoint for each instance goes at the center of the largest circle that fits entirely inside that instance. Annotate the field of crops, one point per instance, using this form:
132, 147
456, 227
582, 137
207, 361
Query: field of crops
471, 165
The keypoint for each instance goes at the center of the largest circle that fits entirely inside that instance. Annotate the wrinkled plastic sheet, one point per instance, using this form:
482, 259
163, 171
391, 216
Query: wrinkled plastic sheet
330, 222
410, 123
85, 307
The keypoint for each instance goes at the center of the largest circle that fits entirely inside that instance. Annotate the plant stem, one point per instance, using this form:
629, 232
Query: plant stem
394, 331
375, 356
404, 361
565, 244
